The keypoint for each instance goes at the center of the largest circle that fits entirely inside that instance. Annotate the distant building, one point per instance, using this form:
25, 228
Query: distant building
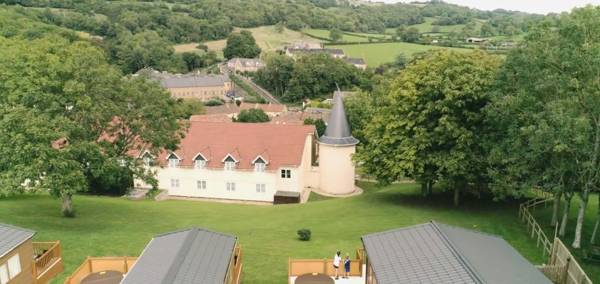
333, 52
245, 64
357, 62
305, 45
192, 85
257, 162
475, 40
232, 109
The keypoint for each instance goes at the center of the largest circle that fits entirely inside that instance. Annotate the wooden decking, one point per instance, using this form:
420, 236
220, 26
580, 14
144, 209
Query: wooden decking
297, 267
98, 264
47, 261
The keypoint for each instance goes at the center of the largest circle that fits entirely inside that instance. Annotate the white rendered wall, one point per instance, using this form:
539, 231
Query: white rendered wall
336, 168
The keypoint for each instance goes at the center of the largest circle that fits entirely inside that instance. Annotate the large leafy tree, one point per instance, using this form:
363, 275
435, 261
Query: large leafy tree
431, 128
65, 114
241, 44
550, 87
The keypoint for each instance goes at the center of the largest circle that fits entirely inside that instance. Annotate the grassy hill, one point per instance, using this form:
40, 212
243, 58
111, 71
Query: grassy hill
378, 53
267, 38
110, 226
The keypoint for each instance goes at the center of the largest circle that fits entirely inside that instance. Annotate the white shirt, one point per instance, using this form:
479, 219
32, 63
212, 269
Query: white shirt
336, 260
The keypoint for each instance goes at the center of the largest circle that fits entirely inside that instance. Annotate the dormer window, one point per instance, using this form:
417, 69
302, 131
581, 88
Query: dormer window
229, 163
147, 159
260, 164
173, 160
199, 162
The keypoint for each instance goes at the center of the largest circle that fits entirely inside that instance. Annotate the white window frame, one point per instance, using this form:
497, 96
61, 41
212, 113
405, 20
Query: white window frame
200, 164
174, 183
261, 188
4, 278
230, 186
286, 173
14, 266
229, 166
201, 184
260, 167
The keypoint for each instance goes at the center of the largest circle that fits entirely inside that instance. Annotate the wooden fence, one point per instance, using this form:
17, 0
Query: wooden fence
562, 268
98, 264
533, 228
297, 267
47, 261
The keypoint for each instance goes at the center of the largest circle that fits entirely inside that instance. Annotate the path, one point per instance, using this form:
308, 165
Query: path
258, 89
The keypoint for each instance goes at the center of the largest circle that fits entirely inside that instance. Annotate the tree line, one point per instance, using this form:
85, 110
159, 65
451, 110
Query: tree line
476, 124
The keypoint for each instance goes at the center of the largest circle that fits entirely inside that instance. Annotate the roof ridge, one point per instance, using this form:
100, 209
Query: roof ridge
175, 266
194, 228
457, 252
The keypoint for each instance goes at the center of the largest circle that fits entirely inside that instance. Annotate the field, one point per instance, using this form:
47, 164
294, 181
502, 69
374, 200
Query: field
427, 27
378, 53
109, 226
345, 37
266, 37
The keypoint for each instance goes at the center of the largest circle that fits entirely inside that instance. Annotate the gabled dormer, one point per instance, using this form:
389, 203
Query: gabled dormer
200, 161
147, 159
229, 162
173, 160
260, 163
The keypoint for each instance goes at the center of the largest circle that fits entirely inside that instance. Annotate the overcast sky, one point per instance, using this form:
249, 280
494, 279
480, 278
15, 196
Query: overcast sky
531, 6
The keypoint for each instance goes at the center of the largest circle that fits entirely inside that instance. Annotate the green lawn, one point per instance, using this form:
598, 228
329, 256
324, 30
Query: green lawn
379, 53
109, 226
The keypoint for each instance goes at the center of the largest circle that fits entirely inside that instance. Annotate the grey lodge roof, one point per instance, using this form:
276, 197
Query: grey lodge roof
190, 80
11, 237
338, 130
190, 256
438, 253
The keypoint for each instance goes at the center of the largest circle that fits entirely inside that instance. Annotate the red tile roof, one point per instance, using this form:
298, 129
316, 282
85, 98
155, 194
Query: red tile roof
280, 145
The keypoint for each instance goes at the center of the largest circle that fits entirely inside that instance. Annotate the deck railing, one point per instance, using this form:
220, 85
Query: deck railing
47, 261
97, 264
237, 265
297, 267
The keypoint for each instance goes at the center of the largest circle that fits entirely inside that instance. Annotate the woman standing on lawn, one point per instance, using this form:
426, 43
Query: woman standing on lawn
336, 264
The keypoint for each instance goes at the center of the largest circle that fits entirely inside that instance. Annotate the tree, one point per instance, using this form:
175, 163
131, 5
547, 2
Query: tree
318, 123
192, 60
276, 74
241, 44
410, 35
145, 49
279, 27
65, 113
430, 126
252, 115
335, 35
551, 82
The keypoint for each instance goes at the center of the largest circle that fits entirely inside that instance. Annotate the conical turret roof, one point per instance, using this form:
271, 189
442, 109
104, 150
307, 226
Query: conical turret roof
338, 130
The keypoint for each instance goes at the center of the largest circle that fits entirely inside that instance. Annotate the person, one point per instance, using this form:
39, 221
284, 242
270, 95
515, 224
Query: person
336, 264
347, 266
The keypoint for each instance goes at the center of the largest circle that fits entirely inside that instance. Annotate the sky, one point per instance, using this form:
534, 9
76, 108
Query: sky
531, 6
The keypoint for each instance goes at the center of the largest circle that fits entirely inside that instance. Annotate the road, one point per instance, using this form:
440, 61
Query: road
258, 89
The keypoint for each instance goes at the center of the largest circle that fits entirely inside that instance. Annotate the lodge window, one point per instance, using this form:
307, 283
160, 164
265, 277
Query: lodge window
174, 183
201, 184
286, 173
230, 186
11, 269
261, 187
